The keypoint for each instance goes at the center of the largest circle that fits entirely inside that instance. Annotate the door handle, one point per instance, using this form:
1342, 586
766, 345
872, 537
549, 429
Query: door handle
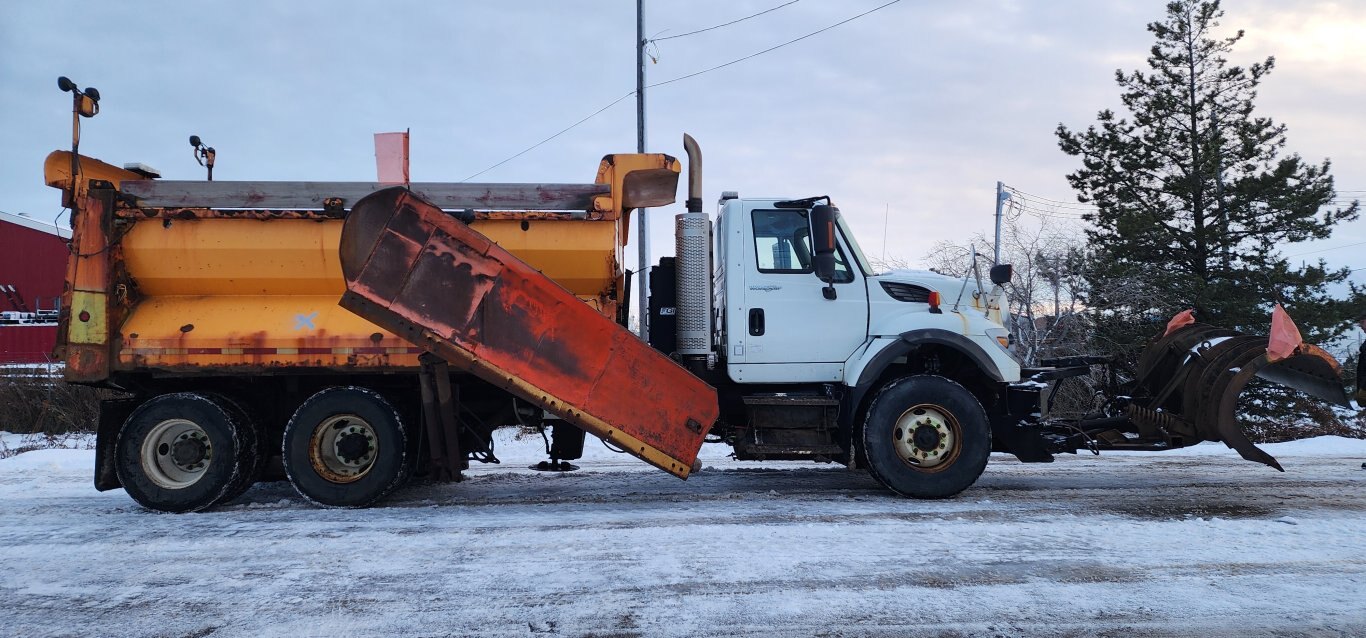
756, 322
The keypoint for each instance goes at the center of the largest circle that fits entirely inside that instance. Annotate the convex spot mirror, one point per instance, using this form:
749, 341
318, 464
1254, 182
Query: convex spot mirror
1001, 274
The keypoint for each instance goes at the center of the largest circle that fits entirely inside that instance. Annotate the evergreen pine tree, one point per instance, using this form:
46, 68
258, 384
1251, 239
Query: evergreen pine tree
1197, 199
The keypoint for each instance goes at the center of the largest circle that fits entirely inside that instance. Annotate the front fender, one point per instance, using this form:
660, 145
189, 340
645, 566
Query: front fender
885, 350
863, 372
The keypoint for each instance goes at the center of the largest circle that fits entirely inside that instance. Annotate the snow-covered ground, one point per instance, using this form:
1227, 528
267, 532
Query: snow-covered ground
1191, 543
11, 443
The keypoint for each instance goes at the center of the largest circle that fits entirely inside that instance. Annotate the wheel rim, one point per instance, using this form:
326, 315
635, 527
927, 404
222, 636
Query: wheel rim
343, 448
927, 437
176, 453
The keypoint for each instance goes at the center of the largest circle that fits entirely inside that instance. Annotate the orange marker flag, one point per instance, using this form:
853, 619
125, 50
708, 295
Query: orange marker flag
391, 157
1285, 337
1181, 320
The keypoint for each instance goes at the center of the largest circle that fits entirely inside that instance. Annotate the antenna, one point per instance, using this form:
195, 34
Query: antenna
886, 214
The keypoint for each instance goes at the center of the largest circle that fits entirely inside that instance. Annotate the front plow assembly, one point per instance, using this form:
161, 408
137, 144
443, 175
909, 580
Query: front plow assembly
1189, 382
1187, 388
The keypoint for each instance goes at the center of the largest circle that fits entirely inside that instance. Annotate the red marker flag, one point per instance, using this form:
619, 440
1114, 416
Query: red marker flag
1181, 320
391, 157
1285, 337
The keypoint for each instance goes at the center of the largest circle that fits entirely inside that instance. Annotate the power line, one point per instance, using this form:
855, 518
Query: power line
779, 46
683, 77
1045, 208
1042, 214
1019, 202
726, 24
1324, 250
1035, 205
562, 132
1054, 207
1023, 206
1059, 206
1058, 202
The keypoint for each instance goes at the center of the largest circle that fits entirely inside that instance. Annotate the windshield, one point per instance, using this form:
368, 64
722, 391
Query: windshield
853, 245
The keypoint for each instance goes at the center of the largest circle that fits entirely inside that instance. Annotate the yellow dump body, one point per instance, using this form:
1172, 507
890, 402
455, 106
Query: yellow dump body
217, 292
197, 289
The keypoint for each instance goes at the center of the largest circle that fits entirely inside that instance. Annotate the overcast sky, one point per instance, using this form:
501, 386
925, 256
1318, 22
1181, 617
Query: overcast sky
913, 112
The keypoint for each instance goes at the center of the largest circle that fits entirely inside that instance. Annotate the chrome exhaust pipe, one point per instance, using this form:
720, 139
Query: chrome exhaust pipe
694, 203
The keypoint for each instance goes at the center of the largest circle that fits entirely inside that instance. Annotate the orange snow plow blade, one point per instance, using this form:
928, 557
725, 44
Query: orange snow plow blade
425, 275
1189, 381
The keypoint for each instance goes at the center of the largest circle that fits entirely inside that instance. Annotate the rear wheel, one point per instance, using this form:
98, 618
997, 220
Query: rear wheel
926, 437
345, 447
179, 452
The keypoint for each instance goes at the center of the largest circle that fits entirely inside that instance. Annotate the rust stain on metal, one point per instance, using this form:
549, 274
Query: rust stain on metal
88, 352
127, 211
485, 311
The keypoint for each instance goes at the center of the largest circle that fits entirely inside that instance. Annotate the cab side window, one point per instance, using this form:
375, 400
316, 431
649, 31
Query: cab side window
782, 244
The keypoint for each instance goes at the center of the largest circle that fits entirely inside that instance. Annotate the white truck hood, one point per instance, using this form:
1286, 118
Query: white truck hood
947, 286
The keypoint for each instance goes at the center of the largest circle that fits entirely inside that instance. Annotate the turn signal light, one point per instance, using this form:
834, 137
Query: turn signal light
934, 302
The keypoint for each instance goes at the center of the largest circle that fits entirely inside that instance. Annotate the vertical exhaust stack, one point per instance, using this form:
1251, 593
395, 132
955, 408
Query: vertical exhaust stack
693, 254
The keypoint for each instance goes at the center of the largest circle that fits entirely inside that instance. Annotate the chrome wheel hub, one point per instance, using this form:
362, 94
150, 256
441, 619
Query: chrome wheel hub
926, 436
343, 448
176, 453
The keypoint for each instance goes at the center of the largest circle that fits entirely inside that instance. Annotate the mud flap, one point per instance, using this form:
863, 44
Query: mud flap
428, 277
113, 412
1190, 379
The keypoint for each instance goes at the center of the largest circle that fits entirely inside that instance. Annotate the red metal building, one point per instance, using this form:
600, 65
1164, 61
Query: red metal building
32, 269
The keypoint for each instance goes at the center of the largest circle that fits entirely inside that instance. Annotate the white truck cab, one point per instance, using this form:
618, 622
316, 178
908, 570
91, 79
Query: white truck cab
778, 325
815, 356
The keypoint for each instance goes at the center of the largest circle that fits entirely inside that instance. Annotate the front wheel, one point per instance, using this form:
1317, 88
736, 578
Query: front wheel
926, 437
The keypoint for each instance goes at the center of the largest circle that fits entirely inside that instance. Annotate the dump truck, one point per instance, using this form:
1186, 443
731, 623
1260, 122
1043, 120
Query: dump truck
359, 334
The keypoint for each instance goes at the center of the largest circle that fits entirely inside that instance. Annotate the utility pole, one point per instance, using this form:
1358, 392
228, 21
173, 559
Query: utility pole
643, 268
1001, 197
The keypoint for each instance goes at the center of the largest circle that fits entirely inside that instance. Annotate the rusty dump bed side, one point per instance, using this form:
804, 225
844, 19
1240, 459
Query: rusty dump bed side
425, 275
176, 279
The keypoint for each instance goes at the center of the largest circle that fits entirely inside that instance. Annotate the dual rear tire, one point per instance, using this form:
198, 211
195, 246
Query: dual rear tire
187, 451
345, 447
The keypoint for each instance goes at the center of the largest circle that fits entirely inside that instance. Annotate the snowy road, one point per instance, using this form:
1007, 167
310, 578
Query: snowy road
1124, 545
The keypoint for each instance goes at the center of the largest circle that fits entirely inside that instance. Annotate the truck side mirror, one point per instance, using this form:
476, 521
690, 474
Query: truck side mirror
823, 246
1001, 274
823, 241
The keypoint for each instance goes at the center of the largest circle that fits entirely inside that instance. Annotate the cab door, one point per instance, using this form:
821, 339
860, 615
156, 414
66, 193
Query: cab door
784, 329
